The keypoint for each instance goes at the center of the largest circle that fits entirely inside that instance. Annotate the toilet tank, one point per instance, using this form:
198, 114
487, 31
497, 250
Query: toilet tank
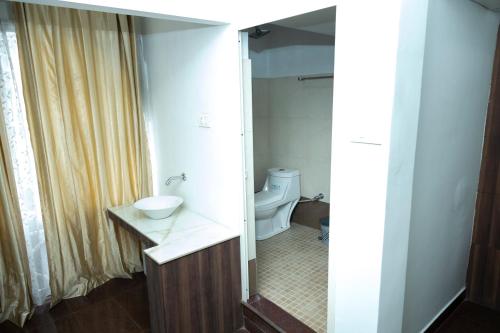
286, 181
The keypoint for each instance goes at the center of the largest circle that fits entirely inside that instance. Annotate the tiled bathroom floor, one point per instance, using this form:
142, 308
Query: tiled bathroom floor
292, 271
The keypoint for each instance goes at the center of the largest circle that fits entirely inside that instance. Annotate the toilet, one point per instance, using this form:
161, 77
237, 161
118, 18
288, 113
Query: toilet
275, 203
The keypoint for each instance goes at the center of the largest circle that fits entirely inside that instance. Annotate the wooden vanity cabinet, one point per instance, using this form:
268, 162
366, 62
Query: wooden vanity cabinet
199, 292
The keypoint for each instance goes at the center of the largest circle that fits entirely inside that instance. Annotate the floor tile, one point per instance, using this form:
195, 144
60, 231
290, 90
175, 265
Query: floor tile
292, 271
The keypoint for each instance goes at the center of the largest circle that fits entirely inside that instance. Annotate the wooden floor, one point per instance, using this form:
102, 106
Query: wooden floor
120, 305
471, 318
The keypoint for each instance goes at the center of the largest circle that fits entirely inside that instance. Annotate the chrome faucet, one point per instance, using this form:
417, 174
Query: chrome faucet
171, 179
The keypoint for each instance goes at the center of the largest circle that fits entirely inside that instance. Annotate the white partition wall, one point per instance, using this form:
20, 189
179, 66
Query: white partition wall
457, 71
365, 71
193, 72
193, 101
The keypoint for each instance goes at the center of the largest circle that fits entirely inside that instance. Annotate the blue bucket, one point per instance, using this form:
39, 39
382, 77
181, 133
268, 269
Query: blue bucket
325, 227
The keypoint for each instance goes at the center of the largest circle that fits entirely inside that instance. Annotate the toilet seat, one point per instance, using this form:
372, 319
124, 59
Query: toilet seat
266, 200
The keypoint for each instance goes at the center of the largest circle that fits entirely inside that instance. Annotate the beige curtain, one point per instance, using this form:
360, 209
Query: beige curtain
15, 299
81, 90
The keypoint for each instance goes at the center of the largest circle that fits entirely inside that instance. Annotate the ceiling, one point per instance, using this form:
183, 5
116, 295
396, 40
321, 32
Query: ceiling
320, 21
493, 5
314, 28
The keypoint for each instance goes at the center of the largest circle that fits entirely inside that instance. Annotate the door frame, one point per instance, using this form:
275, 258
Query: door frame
248, 232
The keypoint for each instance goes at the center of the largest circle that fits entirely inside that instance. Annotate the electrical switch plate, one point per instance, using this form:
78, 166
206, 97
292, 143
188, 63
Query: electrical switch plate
204, 120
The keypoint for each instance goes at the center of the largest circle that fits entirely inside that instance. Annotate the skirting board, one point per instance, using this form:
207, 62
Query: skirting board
445, 311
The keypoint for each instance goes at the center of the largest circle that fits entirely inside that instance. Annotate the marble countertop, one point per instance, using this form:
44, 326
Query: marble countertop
182, 233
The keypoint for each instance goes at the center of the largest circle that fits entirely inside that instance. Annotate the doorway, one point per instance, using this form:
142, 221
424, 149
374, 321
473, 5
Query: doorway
288, 88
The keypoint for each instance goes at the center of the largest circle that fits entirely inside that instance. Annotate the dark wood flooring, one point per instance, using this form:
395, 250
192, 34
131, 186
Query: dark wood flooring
470, 318
119, 305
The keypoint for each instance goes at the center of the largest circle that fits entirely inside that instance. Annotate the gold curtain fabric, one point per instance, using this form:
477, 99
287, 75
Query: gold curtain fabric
81, 89
15, 300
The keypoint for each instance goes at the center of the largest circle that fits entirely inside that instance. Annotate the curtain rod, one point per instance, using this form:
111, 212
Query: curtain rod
314, 77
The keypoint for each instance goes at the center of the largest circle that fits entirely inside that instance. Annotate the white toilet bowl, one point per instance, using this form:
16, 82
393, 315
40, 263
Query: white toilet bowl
275, 203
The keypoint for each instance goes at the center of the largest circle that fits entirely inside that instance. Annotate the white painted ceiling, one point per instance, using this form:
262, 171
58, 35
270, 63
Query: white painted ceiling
490, 4
320, 21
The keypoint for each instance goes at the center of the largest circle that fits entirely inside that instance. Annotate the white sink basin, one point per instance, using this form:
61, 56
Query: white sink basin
159, 207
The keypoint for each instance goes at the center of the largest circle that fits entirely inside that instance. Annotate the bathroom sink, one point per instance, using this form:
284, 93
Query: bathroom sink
159, 207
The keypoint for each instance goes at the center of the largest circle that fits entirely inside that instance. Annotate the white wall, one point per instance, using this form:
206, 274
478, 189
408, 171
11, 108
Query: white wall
404, 125
458, 60
292, 61
191, 72
365, 71
292, 129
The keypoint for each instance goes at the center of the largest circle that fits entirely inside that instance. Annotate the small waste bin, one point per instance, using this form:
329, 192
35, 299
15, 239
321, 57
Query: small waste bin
325, 226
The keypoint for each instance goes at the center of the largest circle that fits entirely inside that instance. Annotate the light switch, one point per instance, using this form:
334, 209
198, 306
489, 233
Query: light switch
367, 140
204, 120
